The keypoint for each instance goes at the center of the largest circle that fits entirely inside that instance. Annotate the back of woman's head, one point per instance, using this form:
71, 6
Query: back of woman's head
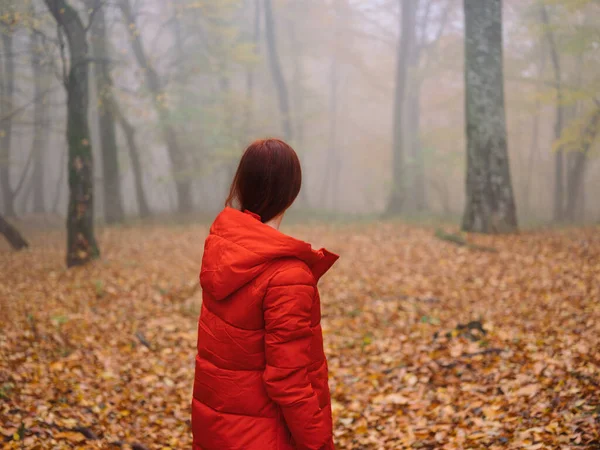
268, 179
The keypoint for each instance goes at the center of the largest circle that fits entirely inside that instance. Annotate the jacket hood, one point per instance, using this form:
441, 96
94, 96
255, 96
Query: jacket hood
239, 247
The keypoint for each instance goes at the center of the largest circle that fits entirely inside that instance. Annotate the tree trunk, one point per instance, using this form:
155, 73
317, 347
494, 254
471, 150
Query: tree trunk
111, 180
298, 85
279, 80
134, 155
81, 241
407, 37
298, 106
40, 117
420, 192
59, 182
424, 45
490, 206
153, 84
558, 207
328, 176
533, 149
7, 89
12, 235
576, 161
248, 122
577, 171
413, 130
26, 196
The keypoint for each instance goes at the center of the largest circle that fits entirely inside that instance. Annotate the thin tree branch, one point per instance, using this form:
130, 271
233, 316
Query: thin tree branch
98, 4
21, 108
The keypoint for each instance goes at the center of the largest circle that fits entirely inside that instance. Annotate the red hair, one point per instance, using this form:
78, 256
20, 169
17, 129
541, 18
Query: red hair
268, 179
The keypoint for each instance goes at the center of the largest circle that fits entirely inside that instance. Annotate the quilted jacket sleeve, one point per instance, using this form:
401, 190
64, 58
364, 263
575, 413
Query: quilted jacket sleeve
287, 312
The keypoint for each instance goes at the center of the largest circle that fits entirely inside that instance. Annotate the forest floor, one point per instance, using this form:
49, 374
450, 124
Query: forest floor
430, 345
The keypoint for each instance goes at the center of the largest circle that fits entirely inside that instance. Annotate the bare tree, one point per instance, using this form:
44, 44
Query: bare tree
40, 118
7, 90
407, 36
577, 170
276, 72
560, 113
111, 180
329, 181
250, 72
490, 204
534, 136
81, 241
155, 87
424, 46
298, 92
134, 156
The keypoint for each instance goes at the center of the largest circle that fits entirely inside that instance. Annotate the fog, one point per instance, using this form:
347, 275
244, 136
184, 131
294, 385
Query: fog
450, 153
338, 62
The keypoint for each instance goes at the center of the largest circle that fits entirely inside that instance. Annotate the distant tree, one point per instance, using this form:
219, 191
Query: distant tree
40, 119
81, 241
577, 169
12, 235
134, 156
490, 205
558, 209
155, 87
330, 186
535, 133
111, 180
298, 90
250, 73
408, 11
424, 45
7, 91
276, 72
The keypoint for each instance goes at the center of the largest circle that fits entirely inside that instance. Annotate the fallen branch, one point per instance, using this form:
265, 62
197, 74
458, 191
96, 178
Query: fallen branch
583, 377
143, 340
89, 434
23, 107
12, 235
489, 351
462, 242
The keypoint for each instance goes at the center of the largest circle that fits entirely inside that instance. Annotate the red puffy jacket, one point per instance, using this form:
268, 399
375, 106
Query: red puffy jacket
261, 373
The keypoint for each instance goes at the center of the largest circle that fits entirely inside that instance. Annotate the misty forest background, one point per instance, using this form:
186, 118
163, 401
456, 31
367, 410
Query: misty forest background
177, 89
450, 155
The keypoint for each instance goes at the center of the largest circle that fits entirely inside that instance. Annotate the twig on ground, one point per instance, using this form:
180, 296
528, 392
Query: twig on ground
462, 242
489, 351
143, 340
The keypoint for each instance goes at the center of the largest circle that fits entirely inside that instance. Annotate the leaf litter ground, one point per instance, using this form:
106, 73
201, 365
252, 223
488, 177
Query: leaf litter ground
430, 345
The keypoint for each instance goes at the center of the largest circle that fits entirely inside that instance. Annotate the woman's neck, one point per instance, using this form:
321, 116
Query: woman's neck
275, 222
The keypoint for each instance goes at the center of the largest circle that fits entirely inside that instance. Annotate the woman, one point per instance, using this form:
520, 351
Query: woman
261, 373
